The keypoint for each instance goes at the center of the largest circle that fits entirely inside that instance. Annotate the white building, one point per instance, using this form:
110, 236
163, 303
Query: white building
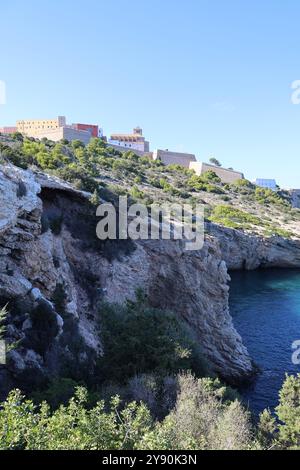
266, 183
134, 141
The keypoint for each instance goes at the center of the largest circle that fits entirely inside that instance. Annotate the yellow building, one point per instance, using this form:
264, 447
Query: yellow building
33, 128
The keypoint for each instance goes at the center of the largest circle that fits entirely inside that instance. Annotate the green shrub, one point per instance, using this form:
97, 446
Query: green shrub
139, 339
45, 327
211, 177
58, 392
277, 231
202, 419
199, 183
243, 183
136, 193
138, 179
267, 196
235, 218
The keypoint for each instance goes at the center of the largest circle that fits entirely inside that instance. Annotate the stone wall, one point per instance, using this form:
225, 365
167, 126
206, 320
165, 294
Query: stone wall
65, 133
127, 149
226, 175
174, 158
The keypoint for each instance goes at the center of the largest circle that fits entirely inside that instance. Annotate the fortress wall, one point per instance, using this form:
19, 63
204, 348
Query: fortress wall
226, 175
174, 158
65, 133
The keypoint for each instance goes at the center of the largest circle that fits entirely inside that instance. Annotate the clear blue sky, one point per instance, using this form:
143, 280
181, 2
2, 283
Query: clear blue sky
211, 77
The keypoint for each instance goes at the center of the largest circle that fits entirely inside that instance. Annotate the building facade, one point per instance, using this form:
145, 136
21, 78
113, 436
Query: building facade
8, 130
92, 128
134, 141
174, 158
33, 128
266, 183
226, 175
57, 129
65, 132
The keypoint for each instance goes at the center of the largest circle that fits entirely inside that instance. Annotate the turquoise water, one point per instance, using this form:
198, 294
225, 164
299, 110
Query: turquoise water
265, 306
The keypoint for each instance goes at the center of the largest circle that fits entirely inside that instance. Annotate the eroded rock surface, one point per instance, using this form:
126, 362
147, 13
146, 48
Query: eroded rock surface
54, 281
243, 251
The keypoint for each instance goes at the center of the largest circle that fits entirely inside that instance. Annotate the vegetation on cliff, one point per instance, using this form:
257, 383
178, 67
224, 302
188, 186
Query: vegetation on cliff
204, 417
108, 173
152, 389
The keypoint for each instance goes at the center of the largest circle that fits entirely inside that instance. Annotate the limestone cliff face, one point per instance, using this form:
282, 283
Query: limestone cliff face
40, 269
195, 286
240, 250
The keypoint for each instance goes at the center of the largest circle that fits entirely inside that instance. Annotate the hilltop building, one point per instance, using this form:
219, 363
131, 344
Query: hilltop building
8, 130
226, 175
92, 128
266, 183
34, 128
57, 129
134, 141
65, 132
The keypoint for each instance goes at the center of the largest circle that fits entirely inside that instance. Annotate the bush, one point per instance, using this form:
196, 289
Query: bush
71, 427
202, 420
59, 392
243, 183
288, 413
267, 196
203, 417
44, 327
14, 156
198, 183
139, 339
136, 193
211, 177
234, 218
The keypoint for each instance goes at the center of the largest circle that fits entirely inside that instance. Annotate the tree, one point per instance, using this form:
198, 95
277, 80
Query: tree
214, 161
140, 339
288, 412
24, 426
95, 198
202, 419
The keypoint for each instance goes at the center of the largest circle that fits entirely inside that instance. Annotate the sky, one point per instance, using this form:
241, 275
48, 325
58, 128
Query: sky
209, 77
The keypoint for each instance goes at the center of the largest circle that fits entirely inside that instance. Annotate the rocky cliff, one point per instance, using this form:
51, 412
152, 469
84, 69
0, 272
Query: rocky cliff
54, 275
241, 250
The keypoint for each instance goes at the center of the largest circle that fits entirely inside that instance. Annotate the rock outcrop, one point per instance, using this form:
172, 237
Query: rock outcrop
195, 286
240, 250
